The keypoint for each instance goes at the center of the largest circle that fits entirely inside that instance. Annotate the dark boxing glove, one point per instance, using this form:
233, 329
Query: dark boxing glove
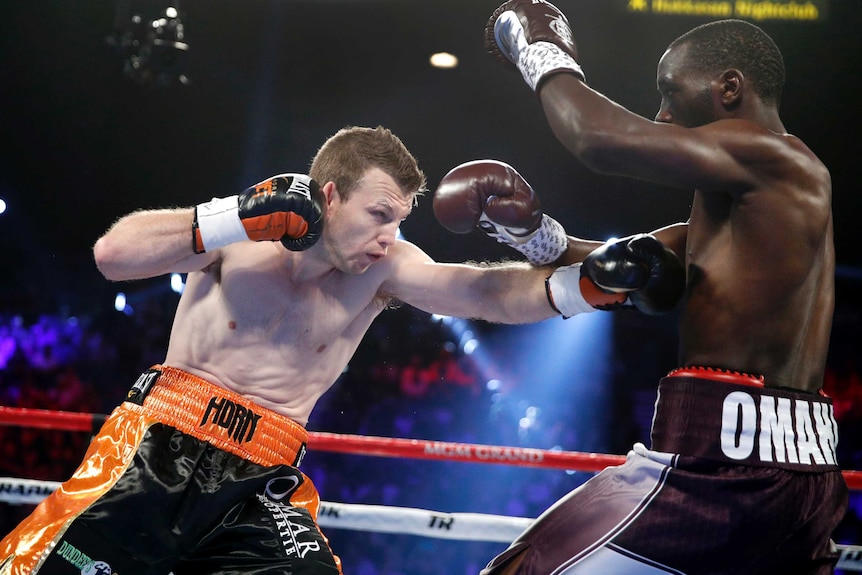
287, 208
493, 196
638, 270
665, 282
534, 37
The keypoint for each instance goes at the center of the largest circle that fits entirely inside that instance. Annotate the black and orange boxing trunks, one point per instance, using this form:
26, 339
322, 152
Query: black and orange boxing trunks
741, 479
184, 477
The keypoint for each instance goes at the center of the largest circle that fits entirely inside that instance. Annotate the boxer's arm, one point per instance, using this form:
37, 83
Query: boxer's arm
672, 236
610, 139
535, 37
149, 243
287, 207
508, 293
492, 196
576, 250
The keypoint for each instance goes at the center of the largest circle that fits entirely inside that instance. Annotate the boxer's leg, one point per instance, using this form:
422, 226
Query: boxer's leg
274, 531
27, 548
574, 534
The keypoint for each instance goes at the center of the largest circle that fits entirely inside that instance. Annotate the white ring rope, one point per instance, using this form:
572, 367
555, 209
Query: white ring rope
387, 519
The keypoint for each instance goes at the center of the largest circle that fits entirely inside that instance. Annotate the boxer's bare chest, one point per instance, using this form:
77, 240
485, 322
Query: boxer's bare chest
269, 301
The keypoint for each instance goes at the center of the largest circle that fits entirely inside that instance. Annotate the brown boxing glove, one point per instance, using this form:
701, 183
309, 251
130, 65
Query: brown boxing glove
492, 196
534, 37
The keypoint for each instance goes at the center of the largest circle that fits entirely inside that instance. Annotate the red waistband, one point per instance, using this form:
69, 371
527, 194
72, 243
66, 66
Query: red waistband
717, 374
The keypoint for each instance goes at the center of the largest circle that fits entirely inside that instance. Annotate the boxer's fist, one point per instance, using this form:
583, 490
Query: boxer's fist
493, 196
665, 283
640, 266
638, 270
534, 37
486, 187
287, 208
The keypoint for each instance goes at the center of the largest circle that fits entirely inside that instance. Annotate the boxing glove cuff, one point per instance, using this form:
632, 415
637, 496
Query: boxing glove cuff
541, 59
217, 224
564, 291
542, 246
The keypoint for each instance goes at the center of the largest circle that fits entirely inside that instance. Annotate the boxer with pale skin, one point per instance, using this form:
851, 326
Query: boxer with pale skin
198, 470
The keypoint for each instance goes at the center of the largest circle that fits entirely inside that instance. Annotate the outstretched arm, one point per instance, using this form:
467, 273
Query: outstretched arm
637, 270
493, 197
509, 293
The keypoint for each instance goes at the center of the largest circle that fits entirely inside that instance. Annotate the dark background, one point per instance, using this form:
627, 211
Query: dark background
82, 144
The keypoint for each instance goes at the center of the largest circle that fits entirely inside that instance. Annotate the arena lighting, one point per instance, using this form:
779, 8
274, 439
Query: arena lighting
123, 303
565, 371
2, 206
568, 363
443, 60
154, 51
177, 283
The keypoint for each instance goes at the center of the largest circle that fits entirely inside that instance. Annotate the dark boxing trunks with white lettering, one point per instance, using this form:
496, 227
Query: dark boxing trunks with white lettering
184, 477
741, 479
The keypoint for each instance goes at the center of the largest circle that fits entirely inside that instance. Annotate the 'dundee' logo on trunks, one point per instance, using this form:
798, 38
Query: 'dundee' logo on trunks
82, 561
772, 429
239, 421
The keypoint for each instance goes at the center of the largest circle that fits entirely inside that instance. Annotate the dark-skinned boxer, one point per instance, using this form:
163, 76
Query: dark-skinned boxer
741, 476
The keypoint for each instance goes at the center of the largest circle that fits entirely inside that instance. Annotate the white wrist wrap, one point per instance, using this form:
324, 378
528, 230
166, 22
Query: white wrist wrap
219, 223
547, 244
564, 291
543, 246
539, 59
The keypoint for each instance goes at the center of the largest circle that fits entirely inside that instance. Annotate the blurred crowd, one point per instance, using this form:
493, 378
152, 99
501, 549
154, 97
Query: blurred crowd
413, 376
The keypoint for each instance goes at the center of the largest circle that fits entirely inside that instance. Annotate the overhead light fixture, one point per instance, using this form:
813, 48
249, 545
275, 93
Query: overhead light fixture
154, 51
443, 60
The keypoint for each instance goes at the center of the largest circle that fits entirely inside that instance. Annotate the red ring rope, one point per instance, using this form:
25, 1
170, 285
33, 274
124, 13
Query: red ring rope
378, 446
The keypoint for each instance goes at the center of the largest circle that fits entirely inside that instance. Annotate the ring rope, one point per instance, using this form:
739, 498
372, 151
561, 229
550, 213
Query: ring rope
388, 519
356, 444
379, 446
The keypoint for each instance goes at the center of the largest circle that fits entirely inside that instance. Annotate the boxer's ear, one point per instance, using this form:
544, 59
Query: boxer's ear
732, 88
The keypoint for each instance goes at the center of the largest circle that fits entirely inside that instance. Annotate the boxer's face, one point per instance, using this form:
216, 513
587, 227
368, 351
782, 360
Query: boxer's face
686, 94
360, 230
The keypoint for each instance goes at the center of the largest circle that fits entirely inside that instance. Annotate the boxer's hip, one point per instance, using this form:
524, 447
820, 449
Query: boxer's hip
217, 416
733, 418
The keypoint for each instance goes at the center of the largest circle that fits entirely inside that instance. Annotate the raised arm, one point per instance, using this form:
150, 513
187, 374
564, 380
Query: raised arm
286, 208
610, 139
149, 243
534, 37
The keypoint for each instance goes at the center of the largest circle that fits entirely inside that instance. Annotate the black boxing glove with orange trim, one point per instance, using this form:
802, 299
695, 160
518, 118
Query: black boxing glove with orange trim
287, 208
635, 271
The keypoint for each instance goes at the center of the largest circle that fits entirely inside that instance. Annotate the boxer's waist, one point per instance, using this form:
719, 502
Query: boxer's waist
218, 416
732, 417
